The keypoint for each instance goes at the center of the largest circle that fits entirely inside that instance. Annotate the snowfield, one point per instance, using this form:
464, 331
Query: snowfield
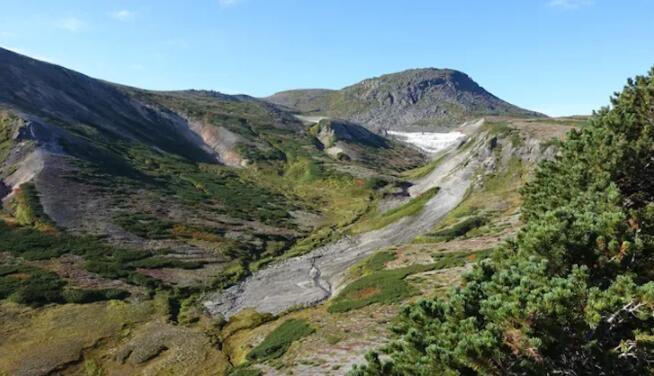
430, 142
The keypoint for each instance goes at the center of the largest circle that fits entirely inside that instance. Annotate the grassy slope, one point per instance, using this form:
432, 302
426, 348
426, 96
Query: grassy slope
143, 183
375, 220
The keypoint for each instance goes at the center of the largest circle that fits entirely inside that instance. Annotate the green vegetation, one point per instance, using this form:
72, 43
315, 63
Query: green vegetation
30, 286
373, 284
36, 287
573, 294
27, 206
456, 259
8, 123
279, 340
384, 286
574, 121
424, 170
144, 225
504, 130
371, 264
110, 262
411, 208
81, 296
459, 229
245, 319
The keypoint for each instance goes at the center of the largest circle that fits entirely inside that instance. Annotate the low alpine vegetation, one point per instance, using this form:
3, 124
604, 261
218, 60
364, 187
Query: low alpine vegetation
573, 294
280, 339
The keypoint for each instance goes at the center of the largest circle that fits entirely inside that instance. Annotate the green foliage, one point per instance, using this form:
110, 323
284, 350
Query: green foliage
8, 124
110, 262
456, 259
460, 228
30, 286
411, 208
158, 262
35, 287
279, 340
380, 286
81, 296
424, 170
376, 262
573, 294
27, 206
92, 368
144, 225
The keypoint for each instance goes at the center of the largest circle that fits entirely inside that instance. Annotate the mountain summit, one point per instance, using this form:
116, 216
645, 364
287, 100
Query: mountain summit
412, 99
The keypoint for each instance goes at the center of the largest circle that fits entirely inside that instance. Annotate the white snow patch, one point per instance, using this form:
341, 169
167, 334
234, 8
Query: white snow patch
430, 142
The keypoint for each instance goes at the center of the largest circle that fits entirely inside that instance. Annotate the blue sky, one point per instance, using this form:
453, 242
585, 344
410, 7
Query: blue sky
560, 57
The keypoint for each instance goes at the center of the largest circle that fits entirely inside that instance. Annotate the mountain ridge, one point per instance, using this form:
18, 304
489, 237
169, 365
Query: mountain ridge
413, 99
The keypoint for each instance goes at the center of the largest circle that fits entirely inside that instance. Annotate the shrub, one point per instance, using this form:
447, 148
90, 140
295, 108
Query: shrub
38, 288
80, 296
574, 293
381, 286
460, 228
279, 340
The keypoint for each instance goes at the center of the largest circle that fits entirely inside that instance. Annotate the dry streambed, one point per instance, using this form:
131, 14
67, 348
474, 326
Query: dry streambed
314, 277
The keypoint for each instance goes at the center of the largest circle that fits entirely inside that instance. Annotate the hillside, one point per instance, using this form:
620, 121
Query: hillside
573, 293
194, 232
112, 193
416, 99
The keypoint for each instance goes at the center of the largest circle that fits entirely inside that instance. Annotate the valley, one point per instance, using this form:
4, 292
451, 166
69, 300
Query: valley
337, 188
213, 234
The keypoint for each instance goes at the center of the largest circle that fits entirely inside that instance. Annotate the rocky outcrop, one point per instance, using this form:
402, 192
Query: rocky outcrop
416, 99
332, 131
221, 140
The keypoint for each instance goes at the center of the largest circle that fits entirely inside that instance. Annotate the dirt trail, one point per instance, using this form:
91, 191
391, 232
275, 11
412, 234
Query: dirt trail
314, 277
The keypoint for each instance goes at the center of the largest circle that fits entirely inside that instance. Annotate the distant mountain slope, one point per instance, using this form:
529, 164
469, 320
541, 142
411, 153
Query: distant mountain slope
62, 96
412, 99
214, 177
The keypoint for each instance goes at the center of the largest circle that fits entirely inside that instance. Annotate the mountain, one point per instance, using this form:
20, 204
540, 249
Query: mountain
194, 232
415, 99
198, 179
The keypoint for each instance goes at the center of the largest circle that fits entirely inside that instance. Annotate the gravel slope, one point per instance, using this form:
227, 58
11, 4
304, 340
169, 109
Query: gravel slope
314, 277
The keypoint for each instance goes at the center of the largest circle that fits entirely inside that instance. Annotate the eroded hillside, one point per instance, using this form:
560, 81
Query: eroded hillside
193, 232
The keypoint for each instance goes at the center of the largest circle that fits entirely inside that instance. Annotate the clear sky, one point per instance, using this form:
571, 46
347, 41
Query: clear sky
559, 57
